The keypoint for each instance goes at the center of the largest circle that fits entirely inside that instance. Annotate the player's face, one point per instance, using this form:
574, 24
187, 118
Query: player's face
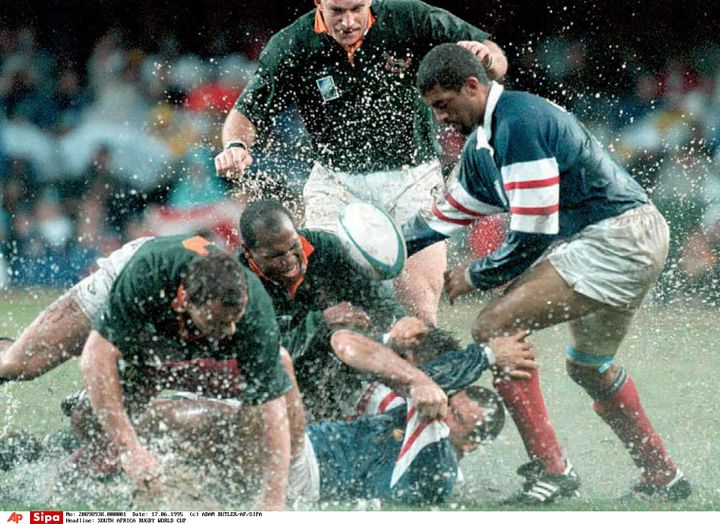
464, 415
346, 20
457, 109
279, 254
214, 320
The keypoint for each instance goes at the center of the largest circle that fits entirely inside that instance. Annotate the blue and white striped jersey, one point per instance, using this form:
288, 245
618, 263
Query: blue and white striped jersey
535, 160
396, 455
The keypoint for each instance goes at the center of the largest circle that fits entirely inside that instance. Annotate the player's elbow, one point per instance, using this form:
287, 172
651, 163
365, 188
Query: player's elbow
344, 345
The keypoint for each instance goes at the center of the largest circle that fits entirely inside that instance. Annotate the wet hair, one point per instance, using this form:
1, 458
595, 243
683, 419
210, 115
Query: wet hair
216, 276
436, 343
494, 420
263, 214
449, 66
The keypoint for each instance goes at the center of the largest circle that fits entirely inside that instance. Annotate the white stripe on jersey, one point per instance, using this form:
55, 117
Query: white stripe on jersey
420, 432
532, 170
534, 197
466, 200
545, 224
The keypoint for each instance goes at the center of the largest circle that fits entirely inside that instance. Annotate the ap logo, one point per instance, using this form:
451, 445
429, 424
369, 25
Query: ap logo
15, 518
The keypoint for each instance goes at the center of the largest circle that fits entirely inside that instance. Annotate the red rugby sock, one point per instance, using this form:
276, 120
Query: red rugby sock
525, 403
625, 415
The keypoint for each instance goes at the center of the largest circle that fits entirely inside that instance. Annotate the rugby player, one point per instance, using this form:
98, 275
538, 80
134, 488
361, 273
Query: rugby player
327, 310
531, 158
348, 67
169, 312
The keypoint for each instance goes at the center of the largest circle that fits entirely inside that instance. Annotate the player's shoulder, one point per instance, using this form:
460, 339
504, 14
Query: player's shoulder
519, 108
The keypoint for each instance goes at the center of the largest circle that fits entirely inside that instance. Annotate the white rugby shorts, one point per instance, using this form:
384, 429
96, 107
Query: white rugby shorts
304, 479
401, 193
617, 260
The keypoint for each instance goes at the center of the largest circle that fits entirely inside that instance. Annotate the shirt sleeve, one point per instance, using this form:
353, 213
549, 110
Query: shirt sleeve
265, 97
467, 197
129, 302
259, 356
531, 179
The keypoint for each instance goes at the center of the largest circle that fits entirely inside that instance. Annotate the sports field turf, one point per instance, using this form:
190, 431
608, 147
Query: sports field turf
672, 353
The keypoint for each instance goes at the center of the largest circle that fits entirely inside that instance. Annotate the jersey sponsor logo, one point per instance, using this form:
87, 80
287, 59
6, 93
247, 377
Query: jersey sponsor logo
398, 66
328, 89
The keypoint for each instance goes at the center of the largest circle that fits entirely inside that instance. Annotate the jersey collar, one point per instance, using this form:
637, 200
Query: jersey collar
493, 96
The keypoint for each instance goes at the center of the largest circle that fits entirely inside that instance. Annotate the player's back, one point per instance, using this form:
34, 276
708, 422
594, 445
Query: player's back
357, 460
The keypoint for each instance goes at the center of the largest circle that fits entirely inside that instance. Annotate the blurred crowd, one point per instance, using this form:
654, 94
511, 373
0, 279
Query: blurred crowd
94, 154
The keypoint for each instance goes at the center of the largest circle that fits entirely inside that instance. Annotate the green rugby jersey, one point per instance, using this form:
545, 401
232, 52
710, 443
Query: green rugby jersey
329, 279
139, 320
362, 117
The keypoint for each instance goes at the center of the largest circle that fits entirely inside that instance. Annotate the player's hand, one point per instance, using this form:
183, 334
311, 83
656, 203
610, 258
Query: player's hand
145, 471
344, 315
480, 50
409, 332
429, 399
514, 356
231, 162
455, 283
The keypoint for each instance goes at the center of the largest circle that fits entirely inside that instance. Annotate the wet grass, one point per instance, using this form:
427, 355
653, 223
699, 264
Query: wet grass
671, 353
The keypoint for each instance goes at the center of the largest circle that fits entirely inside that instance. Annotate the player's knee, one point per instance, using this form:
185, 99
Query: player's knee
487, 326
599, 380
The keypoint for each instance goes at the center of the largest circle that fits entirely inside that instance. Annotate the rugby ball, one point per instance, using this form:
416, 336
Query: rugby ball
372, 240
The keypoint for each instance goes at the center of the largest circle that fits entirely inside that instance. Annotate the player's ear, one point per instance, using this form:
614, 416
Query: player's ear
472, 85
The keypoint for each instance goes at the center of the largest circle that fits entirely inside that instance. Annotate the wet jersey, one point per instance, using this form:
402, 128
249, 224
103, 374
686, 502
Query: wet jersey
139, 320
395, 456
362, 115
535, 160
329, 279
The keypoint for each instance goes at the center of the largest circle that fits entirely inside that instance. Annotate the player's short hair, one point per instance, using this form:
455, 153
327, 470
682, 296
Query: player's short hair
494, 411
216, 276
436, 343
264, 214
449, 66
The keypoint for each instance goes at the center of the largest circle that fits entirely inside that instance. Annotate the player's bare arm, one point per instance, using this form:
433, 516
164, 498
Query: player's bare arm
98, 365
238, 137
490, 55
371, 357
276, 437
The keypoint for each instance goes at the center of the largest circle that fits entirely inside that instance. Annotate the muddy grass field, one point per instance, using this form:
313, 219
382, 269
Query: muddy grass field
672, 354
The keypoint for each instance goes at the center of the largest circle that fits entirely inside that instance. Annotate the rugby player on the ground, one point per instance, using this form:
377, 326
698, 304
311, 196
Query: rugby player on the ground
175, 313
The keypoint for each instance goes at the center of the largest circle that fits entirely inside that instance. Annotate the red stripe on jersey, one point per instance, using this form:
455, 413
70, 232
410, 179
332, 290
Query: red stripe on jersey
529, 184
421, 427
546, 210
386, 401
439, 214
410, 414
457, 205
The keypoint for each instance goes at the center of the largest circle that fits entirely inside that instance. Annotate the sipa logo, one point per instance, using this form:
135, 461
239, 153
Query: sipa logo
46, 517
15, 517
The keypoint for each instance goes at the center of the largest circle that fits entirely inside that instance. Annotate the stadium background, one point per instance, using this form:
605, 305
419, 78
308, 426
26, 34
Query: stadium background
110, 117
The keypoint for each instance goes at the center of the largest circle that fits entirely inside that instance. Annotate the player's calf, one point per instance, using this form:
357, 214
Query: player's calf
617, 402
